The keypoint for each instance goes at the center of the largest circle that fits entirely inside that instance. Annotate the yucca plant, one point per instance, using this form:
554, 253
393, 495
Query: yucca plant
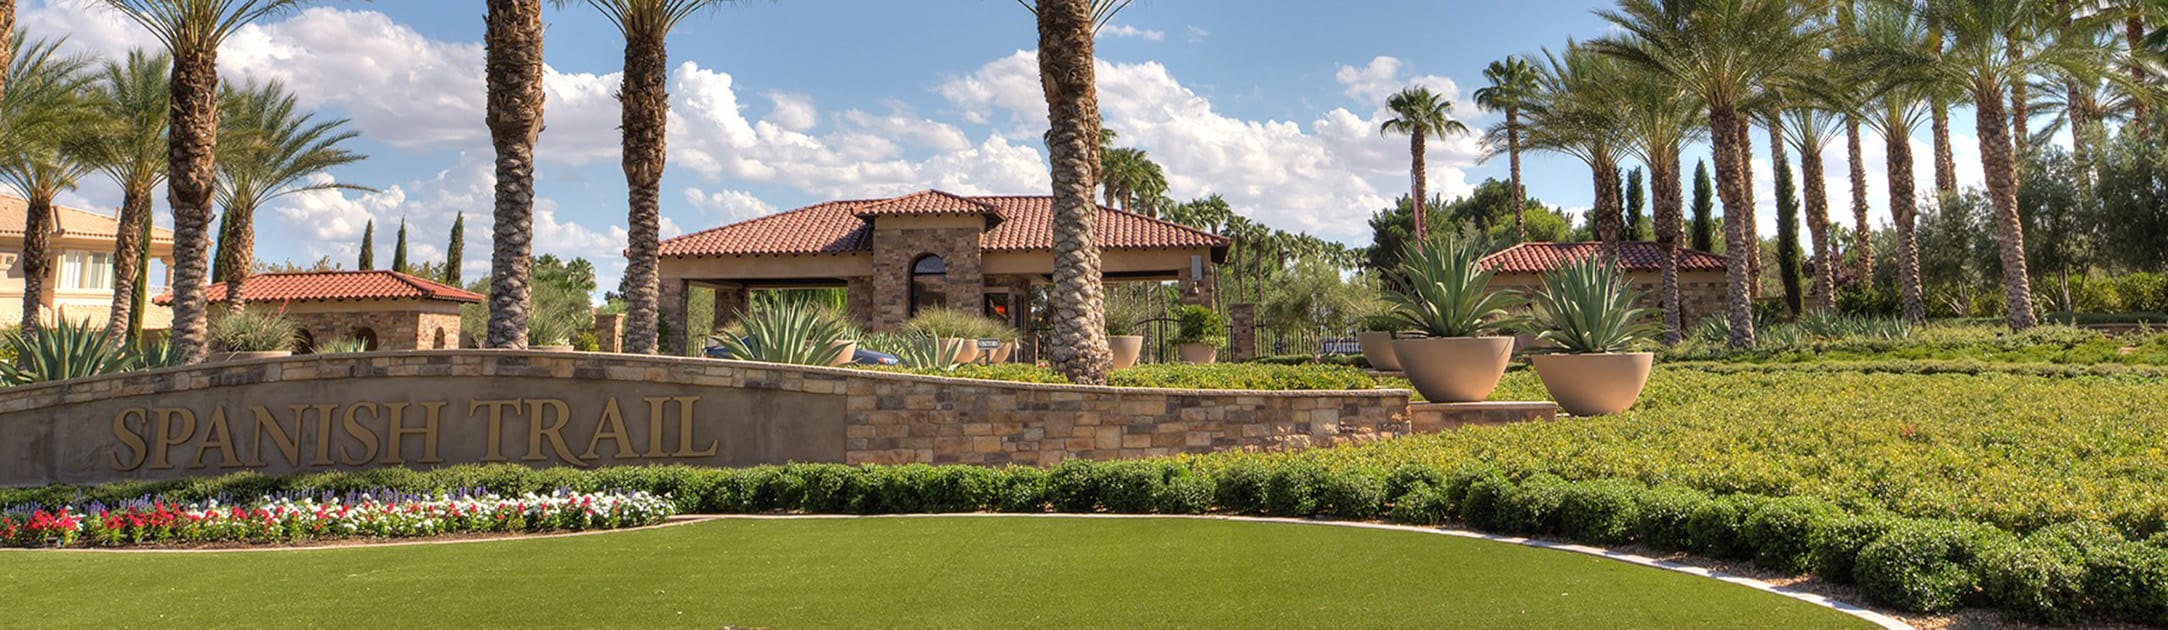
256, 330
62, 351
342, 345
1588, 307
1443, 291
797, 333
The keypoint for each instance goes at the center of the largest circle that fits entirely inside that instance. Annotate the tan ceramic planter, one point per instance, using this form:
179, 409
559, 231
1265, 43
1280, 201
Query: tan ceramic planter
966, 350
1378, 350
1594, 384
1126, 349
845, 351
1197, 352
1001, 354
1454, 369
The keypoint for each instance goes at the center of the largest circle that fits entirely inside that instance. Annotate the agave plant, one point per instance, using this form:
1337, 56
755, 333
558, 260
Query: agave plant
342, 345
552, 328
793, 332
256, 330
1588, 307
1443, 292
158, 352
60, 352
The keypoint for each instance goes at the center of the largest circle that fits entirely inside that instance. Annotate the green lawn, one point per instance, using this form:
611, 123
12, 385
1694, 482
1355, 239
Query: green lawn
950, 572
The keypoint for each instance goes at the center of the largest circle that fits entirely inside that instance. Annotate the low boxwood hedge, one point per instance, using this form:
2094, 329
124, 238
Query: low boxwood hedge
2065, 573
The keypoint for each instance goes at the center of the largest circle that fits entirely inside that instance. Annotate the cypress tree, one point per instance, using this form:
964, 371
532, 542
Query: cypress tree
455, 251
398, 251
368, 247
1788, 252
1704, 229
1636, 198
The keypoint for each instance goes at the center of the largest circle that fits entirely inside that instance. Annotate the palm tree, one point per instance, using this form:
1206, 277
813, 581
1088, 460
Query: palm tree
274, 150
1721, 51
130, 148
1512, 84
7, 43
513, 65
1577, 111
1066, 30
45, 115
192, 31
1899, 96
1660, 118
1810, 127
1986, 60
1419, 113
646, 26
1845, 88
1132, 181
1939, 100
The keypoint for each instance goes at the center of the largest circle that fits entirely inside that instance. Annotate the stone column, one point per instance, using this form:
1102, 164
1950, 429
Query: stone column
858, 300
1244, 320
1198, 281
609, 332
673, 316
730, 297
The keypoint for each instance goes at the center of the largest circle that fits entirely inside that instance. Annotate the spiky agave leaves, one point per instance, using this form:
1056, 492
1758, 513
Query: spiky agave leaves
1587, 307
62, 351
799, 333
1443, 291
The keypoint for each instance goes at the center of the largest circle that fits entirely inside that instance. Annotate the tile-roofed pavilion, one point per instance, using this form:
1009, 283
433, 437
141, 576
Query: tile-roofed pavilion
388, 310
1701, 274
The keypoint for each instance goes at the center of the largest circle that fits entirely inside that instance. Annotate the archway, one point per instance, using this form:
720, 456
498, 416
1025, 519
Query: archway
365, 335
438, 344
929, 281
304, 343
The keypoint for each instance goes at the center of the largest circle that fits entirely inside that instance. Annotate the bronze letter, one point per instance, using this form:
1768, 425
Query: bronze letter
288, 443
323, 434
129, 437
685, 430
218, 436
654, 428
398, 432
354, 428
612, 424
496, 425
164, 436
536, 430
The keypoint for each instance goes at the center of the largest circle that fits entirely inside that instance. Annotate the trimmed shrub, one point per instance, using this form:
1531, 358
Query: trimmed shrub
1073, 486
1532, 506
1782, 532
1662, 516
1600, 512
2038, 580
1460, 481
1293, 490
2128, 581
1187, 492
1131, 487
1718, 528
1025, 490
1481, 501
1240, 488
1835, 547
1926, 566
1406, 477
1351, 493
1422, 504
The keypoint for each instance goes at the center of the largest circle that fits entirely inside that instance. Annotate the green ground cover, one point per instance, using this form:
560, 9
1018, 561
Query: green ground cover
899, 572
1948, 341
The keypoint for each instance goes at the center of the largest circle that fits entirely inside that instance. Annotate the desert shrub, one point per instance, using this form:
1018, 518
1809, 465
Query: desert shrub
1663, 515
1240, 488
1782, 532
1242, 376
1351, 493
1422, 504
1600, 512
255, 330
1293, 489
1718, 528
1926, 566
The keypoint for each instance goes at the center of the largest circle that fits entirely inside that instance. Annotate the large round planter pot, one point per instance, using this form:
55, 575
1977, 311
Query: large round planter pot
965, 350
846, 349
1378, 350
1454, 369
261, 354
1594, 384
1197, 352
1126, 349
1001, 354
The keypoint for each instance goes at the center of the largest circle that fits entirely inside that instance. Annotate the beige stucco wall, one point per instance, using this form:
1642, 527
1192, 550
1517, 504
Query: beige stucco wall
94, 305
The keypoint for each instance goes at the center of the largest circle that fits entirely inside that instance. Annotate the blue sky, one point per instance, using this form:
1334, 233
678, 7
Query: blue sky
779, 104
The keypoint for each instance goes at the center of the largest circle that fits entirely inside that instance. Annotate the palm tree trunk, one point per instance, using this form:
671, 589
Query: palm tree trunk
129, 245
1605, 221
1752, 251
646, 117
7, 42
1862, 230
2001, 171
514, 67
1420, 173
1513, 156
1904, 212
1816, 191
236, 251
1938, 113
2134, 36
2020, 111
191, 178
1725, 132
1079, 350
37, 256
1669, 211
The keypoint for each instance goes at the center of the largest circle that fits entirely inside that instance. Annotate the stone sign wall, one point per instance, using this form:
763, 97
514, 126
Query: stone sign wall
427, 409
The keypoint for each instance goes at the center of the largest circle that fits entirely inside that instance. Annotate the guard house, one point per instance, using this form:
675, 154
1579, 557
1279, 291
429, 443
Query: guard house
895, 256
386, 310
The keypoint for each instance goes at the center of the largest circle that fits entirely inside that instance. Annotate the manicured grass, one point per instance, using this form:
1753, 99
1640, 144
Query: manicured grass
939, 572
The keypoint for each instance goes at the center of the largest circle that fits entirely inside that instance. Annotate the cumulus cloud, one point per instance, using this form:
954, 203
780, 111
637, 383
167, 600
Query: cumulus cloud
1125, 30
729, 206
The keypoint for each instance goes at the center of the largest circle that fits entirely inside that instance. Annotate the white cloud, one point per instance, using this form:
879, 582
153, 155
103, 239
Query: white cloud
730, 206
1125, 30
1197, 34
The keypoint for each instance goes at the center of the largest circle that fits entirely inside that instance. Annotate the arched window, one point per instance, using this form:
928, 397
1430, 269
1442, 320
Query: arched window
439, 345
366, 336
929, 281
304, 343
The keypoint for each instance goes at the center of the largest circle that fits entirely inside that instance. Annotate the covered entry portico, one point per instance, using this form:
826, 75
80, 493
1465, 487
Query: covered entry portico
895, 256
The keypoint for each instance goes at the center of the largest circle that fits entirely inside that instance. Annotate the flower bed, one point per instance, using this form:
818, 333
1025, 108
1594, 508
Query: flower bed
382, 514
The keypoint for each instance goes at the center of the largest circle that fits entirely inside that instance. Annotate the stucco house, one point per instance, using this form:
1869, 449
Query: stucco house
80, 284
1701, 274
897, 255
386, 309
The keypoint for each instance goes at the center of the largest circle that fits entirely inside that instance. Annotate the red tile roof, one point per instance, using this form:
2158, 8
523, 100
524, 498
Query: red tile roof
835, 227
321, 286
1633, 255
925, 202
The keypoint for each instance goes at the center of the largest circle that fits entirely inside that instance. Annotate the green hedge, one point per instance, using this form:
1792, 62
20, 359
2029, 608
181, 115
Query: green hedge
2059, 574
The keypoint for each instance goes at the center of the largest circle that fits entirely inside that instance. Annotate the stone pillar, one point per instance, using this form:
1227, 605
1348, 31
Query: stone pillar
1198, 281
1243, 318
672, 318
609, 332
730, 297
858, 300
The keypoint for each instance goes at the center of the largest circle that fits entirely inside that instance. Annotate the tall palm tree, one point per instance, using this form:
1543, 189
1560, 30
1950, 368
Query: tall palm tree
1939, 100
1419, 114
513, 66
7, 43
43, 116
1900, 95
192, 31
1982, 58
1066, 32
1660, 118
1577, 112
1809, 126
274, 149
1721, 51
646, 26
1846, 89
1132, 181
1512, 84
130, 148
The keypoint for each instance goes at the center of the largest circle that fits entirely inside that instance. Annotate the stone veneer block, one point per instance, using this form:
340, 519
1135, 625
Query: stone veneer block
1437, 417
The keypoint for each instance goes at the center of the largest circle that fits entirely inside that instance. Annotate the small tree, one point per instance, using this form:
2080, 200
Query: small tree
1704, 229
398, 250
454, 250
368, 247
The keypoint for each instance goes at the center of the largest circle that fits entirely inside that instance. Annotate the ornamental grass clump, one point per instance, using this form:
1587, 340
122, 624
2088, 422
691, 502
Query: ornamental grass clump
1442, 291
917, 351
342, 345
256, 330
799, 333
1587, 307
951, 323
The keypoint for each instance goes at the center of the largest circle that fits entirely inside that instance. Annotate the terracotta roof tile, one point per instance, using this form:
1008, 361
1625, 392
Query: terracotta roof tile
320, 286
926, 202
15, 215
1633, 255
835, 228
